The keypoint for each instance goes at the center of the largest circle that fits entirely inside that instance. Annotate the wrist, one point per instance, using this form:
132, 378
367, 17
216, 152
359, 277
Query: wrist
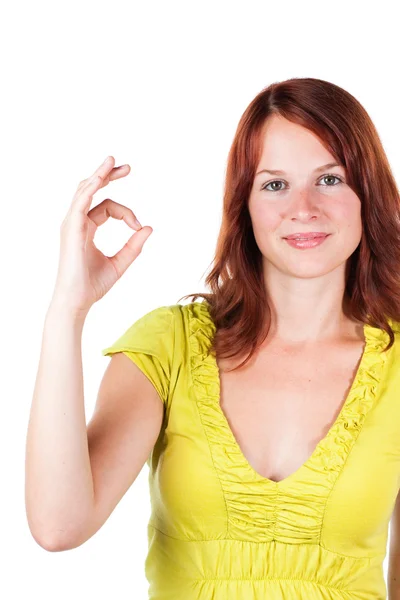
60, 309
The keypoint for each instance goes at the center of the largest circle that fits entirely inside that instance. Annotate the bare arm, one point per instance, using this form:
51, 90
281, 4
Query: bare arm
58, 478
393, 579
59, 484
122, 432
76, 475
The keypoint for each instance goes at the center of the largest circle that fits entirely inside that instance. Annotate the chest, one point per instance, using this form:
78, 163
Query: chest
281, 406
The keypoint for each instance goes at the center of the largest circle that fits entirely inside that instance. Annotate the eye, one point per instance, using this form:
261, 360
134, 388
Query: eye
334, 177
340, 180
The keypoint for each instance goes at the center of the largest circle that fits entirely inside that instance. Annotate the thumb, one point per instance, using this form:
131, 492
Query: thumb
131, 250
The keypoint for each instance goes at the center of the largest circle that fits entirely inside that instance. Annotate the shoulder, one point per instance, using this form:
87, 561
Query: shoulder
177, 322
196, 320
152, 332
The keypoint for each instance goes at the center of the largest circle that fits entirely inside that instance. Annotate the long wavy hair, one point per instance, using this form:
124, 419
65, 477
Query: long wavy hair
238, 303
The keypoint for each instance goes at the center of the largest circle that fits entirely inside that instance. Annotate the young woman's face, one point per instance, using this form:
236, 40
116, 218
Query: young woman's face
302, 199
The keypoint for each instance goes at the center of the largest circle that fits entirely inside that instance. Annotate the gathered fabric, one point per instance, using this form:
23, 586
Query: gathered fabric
218, 529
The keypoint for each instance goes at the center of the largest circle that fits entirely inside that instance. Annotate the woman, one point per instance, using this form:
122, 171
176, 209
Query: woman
268, 413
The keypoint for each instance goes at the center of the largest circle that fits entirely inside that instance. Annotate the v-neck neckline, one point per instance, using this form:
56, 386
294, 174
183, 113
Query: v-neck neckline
318, 448
258, 508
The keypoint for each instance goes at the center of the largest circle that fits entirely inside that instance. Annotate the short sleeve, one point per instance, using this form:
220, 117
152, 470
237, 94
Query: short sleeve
149, 343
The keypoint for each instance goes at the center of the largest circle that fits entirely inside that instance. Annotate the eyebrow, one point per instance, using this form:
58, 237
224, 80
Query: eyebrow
278, 172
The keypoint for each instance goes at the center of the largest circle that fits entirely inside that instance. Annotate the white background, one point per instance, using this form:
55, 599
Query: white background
161, 86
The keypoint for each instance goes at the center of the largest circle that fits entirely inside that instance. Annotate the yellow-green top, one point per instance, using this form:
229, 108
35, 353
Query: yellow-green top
218, 529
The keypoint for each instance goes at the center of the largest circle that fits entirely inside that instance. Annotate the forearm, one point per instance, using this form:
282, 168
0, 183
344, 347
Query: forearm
393, 592
393, 578
59, 484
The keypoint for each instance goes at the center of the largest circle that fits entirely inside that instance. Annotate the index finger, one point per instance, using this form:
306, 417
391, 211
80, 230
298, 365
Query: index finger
103, 170
84, 194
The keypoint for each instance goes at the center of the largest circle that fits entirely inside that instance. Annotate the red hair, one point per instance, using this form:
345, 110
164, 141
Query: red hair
238, 302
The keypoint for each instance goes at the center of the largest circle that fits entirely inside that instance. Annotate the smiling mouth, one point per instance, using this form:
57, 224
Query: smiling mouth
304, 243
306, 239
311, 236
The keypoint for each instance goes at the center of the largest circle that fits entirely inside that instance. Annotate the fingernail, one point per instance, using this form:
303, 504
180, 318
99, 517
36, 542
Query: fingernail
137, 223
106, 160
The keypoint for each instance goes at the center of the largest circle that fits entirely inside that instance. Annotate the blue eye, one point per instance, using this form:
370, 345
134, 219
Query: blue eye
340, 180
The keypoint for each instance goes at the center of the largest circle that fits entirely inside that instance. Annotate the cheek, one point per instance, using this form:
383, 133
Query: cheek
264, 218
347, 218
265, 225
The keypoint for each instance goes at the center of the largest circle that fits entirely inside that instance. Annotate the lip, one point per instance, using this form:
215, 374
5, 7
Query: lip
304, 244
309, 235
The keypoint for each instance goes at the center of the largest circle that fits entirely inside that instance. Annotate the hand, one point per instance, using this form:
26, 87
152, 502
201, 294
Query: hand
85, 274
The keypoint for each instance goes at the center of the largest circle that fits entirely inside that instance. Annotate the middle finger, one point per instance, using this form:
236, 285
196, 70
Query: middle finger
115, 173
106, 170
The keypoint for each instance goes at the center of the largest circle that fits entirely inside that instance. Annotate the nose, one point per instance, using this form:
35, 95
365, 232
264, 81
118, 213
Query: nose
303, 205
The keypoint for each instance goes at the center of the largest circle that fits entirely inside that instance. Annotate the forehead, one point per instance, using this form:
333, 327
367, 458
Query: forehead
286, 145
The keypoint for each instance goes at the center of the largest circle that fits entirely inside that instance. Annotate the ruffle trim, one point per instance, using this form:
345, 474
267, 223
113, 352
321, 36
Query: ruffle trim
264, 499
